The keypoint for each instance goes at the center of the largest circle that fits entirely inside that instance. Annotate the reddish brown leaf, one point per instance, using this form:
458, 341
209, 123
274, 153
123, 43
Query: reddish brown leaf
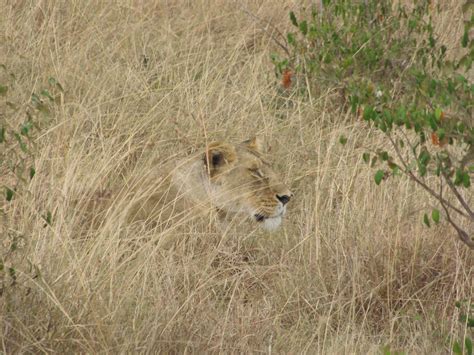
286, 78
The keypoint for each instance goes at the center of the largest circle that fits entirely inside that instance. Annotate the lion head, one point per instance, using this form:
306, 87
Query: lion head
239, 180
233, 179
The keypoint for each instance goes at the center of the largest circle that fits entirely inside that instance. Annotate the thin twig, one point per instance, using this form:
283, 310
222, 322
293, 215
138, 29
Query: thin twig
461, 233
458, 196
421, 183
265, 29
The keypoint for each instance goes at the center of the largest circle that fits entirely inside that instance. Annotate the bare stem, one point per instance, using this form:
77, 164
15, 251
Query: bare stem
463, 236
269, 24
421, 183
458, 196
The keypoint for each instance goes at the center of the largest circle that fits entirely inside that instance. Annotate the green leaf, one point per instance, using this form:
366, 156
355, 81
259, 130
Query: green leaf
466, 61
426, 220
291, 38
47, 94
468, 343
422, 169
435, 215
369, 113
48, 218
465, 39
441, 133
9, 193
54, 83
457, 348
2, 134
12, 273
35, 100
438, 114
464, 318
466, 180
470, 322
342, 140
293, 19
424, 157
304, 27
378, 177
366, 158
327, 58
3, 90
458, 177
462, 178
32, 172
25, 128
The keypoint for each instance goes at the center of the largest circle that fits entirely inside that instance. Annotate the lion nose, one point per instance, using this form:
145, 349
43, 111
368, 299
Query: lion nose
283, 199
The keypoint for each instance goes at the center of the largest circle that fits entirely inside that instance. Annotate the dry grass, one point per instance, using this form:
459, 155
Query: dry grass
351, 271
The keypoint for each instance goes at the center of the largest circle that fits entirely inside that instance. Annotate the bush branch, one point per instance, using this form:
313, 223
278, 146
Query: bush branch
265, 29
463, 236
458, 196
412, 176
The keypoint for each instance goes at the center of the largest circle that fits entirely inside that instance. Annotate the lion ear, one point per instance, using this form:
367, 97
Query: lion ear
256, 143
214, 158
218, 155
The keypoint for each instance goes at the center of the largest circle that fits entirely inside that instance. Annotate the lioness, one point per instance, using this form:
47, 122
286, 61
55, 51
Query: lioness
232, 179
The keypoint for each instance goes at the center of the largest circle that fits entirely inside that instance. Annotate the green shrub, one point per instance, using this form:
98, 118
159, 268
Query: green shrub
391, 72
20, 124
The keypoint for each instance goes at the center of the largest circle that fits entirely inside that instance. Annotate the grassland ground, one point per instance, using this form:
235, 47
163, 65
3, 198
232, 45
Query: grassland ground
352, 270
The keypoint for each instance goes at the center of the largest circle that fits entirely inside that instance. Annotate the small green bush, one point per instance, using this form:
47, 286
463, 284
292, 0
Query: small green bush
392, 73
20, 124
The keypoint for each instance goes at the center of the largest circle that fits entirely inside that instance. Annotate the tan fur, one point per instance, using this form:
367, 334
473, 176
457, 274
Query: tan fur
233, 180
